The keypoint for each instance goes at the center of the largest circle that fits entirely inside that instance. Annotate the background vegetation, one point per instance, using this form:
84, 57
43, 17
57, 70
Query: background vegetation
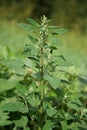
66, 13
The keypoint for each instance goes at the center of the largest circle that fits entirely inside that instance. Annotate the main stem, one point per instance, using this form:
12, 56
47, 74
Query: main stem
43, 33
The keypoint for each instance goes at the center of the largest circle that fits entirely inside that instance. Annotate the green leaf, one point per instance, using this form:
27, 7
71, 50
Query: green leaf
27, 128
48, 125
5, 122
83, 124
17, 66
64, 125
74, 126
27, 27
14, 106
53, 27
6, 85
61, 61
21, 89
73, 106
53, 81
54, 41
39, 89
4, 119
34, 101
22, 122
33, 39
33, 22
59, 31
51, 111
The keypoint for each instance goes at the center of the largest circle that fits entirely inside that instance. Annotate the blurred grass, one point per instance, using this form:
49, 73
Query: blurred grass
12, 39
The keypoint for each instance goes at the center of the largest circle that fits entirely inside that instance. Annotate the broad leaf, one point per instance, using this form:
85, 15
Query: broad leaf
17, 66
51, 111
22, 122
4, 119
14, 106
6, 85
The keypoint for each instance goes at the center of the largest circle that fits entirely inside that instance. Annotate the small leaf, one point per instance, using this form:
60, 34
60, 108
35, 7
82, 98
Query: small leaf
53, 27
51, 111
39, 88
21, 89
73, 106
33, 22
33, 58
27, 27
34, 101
27, 128
53, 81
33, 39
48, 125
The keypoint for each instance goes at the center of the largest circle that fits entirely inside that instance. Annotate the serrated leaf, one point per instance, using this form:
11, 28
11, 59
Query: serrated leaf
6, 85
53, 81
34, 101
15, 106
4, 119
39, 89
33, 22
21, 89
22, 122
48, 125
17, 66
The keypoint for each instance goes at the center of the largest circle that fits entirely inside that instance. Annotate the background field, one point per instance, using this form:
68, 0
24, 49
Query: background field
69, 14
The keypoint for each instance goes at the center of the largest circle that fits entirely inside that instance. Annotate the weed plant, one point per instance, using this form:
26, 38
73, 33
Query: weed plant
38, 89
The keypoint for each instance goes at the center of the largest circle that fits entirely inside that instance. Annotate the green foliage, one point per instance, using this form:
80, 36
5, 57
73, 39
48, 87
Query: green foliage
40, 89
